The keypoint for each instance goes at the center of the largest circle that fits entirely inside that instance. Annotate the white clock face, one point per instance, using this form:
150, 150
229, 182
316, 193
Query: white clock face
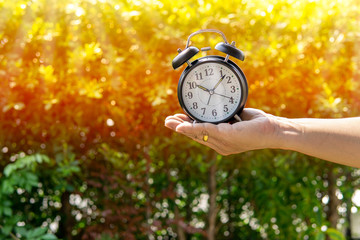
211, 92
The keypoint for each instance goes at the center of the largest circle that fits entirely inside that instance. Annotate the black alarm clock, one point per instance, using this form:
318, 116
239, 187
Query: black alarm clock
213, 88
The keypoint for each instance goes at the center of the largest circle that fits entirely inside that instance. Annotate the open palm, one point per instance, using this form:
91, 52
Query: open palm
254, 132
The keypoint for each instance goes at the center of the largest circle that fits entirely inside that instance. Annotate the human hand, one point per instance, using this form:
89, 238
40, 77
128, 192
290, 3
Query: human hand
258, 130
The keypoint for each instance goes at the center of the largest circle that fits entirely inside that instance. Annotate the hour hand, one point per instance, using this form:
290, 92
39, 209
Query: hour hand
203, 88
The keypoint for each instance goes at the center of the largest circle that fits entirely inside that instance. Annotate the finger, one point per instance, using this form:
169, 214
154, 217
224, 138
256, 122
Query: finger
179, 117
198, 130
183, 117
172, 123
170, 117
195, 131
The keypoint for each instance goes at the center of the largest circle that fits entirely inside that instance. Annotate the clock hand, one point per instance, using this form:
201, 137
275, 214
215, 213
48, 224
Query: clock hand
209, 99
219, 82
203, 88
221, 95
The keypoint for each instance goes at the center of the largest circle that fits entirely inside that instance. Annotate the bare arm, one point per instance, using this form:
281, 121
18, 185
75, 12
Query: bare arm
335, 140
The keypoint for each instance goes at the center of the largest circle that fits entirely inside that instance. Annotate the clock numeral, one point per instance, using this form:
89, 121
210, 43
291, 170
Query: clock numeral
221, 73
232, 89
199, 76
209, 72
226, 109
231, 100
195, 105
203, 109
214, 113
192, 85
190, 95
228, 79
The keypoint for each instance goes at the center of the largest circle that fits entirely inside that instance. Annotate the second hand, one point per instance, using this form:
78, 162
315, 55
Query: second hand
209, 99
221, 95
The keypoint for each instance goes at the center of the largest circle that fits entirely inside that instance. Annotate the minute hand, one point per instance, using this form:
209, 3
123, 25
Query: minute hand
219, 82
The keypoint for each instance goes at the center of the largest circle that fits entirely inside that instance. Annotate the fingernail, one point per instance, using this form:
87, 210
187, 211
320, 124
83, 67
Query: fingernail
168, 126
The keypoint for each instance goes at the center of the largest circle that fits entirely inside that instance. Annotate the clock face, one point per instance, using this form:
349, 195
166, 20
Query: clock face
212, 91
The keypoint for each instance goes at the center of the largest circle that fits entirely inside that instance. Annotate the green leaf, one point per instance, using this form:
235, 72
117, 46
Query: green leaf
70, 188
49, 236
40, 158
320, 236
7, 211
35, 233
21, 230
18, 164
8, 170
335, 234
6, 229
25, 162
32, 179
7, 187
6, 203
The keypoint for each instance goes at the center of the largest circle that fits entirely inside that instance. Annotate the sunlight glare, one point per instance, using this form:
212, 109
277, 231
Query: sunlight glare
73, 8
356, 198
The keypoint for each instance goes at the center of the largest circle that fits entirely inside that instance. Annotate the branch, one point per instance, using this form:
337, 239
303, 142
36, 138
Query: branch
11, 234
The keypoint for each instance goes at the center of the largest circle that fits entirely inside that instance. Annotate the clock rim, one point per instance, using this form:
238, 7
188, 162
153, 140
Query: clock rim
220, 60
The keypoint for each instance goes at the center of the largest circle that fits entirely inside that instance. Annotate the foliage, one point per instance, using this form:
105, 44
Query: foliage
25, 201
86, 85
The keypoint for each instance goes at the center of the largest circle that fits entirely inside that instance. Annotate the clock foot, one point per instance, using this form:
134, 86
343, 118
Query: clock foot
237, 118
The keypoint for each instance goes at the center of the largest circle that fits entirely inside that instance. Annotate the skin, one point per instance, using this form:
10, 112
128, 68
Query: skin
335, 140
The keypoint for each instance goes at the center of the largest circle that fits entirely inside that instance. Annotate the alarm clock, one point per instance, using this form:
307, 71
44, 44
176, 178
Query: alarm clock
212, 88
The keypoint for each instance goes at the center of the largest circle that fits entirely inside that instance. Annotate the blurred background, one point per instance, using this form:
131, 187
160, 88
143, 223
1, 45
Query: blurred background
85, 87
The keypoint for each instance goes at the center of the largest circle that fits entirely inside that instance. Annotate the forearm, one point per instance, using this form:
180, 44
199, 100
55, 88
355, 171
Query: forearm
335, 140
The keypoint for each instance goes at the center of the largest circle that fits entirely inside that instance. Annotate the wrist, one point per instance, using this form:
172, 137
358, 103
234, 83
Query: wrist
289, 133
